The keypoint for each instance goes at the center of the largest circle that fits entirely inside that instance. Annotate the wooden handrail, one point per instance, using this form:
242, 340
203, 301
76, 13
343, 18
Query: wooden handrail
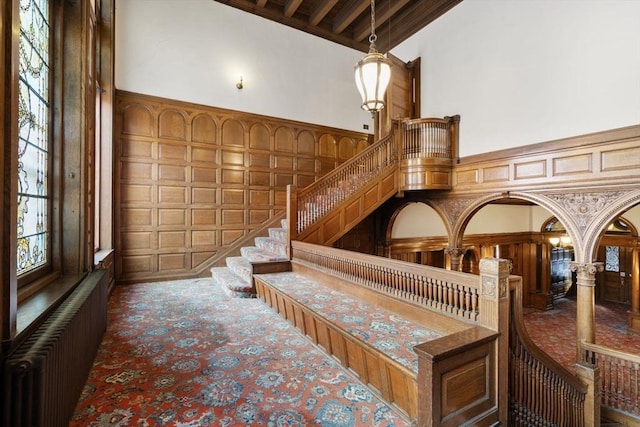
427, 138
317, 199
450, 292
619, 377
541, 390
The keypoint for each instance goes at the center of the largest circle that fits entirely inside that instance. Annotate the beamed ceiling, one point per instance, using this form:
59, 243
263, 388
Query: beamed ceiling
348, 22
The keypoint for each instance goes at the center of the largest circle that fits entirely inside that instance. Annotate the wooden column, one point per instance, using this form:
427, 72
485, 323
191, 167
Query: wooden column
586, 311
455, 257
633, 316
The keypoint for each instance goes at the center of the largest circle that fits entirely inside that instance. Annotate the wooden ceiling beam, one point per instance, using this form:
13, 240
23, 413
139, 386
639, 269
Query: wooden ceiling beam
276, 15
348, 15
349, 22
321, 11
384, 12
290, 7
412, 19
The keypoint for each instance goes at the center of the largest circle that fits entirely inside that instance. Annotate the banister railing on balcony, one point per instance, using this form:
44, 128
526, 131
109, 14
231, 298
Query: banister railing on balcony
619, 380
455, 293
427, 138
428, 149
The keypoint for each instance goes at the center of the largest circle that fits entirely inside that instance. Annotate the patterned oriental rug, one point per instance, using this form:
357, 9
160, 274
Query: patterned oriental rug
183, 353
554, 331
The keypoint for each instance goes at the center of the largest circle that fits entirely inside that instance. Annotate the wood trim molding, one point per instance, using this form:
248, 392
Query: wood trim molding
596, 160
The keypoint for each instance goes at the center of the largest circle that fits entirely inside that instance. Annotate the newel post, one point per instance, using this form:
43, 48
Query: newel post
494, 314
454, 132
590, 375
292, 217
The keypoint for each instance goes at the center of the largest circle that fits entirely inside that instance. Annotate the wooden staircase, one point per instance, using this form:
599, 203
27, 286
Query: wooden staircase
269, 255
327, 209
417, 154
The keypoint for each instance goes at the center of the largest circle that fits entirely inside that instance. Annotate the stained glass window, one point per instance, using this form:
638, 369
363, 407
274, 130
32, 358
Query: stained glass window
33, 144
612, 258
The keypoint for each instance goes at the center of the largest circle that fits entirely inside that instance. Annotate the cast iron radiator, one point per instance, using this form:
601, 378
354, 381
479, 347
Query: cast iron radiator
44, 376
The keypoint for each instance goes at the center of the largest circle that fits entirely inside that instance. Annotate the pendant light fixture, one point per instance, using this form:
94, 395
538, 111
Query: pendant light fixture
373, 72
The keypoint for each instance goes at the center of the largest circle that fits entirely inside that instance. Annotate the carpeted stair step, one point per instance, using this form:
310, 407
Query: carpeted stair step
236, 278
268, 244
241, 267
279, 234
231, 284
255, 254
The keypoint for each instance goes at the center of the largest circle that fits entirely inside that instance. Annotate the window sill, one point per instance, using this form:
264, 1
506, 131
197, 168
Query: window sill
34, 308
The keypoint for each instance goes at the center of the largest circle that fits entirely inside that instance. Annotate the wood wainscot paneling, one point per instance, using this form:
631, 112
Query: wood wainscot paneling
193, 181
603, 158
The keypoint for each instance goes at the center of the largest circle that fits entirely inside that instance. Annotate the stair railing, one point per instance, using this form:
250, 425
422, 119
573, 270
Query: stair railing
426, 138
317, 199
541, 391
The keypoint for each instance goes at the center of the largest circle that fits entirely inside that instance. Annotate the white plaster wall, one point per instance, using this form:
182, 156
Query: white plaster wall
494, 219
418, 220
528, 71
196, 50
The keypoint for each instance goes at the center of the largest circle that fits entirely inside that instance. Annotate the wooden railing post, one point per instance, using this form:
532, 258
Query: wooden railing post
454, 132
494, 314
590, 375
292, 216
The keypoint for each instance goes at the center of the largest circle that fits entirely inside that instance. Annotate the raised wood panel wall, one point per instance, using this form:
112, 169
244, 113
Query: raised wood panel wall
192, 180
604, 158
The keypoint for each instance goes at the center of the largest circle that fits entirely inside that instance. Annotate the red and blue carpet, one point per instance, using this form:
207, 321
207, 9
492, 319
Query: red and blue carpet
183, 353
554, 331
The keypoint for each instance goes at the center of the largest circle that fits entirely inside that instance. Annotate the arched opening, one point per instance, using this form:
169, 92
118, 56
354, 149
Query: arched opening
417, 234
616, 249
554, 330
562, 280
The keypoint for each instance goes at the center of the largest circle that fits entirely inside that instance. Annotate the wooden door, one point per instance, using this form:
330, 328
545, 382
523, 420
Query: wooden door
402, 97
614, 281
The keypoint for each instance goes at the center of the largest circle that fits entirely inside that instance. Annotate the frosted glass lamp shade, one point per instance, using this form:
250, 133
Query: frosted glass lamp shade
372, 75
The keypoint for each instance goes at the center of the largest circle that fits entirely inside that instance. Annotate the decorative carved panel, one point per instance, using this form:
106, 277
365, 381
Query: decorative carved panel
192, 181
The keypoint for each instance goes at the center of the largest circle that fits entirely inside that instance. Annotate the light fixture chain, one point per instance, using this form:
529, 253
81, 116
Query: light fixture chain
373, 37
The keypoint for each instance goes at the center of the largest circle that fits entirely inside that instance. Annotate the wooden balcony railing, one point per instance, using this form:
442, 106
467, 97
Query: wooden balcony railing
450, 292
428, 149
429, 138
619, 381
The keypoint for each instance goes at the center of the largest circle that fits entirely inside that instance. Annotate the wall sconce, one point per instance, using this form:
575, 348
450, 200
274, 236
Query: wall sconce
554, 241
566, 240
239, 85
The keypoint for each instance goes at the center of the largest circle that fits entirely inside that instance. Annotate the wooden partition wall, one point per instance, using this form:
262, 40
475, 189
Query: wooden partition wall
191, 181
